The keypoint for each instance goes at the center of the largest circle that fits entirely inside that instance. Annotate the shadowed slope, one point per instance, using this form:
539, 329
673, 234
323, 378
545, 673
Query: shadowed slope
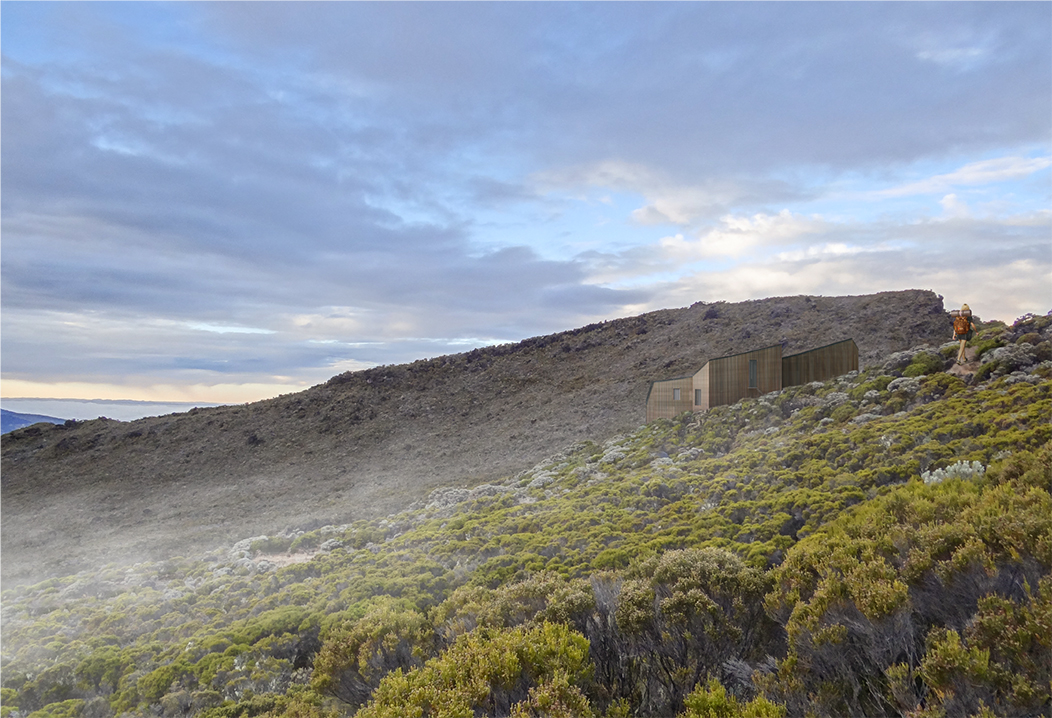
367, 443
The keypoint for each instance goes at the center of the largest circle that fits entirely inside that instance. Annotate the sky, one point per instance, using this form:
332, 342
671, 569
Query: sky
224, 202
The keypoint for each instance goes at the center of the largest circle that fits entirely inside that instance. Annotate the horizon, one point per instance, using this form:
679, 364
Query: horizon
213, 203
41, 400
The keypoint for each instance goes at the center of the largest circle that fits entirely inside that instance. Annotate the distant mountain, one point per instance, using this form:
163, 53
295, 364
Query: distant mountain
369, 443
11, 420
87, 409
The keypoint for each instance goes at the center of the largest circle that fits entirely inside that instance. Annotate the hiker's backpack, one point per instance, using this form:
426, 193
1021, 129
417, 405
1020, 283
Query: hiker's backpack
961, 324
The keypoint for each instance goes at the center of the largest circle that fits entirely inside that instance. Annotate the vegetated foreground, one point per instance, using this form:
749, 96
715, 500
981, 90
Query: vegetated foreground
876, 545
369, 443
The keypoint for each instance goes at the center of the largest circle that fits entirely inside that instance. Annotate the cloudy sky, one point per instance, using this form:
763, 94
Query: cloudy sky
224, 202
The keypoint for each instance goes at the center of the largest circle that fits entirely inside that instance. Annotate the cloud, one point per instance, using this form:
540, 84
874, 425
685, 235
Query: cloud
737, 236
264, 193
954, 207
665, 199
959, 56
769, 255
679, 87
974, 173
219, 329
1005, 290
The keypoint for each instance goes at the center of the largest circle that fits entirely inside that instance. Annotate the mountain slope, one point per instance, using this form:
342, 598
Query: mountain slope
368, 443
873, 545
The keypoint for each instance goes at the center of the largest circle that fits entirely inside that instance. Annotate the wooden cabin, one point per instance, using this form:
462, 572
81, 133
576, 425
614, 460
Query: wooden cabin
729, 379
820, 364
739, 376
670, 397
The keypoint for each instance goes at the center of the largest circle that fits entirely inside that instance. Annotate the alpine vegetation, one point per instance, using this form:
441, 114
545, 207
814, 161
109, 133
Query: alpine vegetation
960, 470
879, 544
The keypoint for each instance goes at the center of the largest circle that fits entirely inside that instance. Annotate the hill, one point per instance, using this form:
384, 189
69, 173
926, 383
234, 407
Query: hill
876, 545
368, 443
11, 420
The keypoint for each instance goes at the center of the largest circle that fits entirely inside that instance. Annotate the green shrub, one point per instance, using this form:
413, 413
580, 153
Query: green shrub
842, 413
155, 684
356, 656
859, 590
712, 701
494, 672
986, 345
270, 545
685, 615
923, 556
924, 363
8, 701
72, 708
984, 372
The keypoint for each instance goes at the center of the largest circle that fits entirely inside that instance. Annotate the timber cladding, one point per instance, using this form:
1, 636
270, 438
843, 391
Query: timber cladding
820, 364
670, 397
729, 379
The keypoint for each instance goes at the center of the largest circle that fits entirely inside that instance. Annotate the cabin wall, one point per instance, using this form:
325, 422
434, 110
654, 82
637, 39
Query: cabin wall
701, 389
729, 377
728, 380
661, 402
820, 364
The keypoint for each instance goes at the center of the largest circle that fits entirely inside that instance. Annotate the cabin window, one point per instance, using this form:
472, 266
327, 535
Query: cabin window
675, 395
752, 374
697, 397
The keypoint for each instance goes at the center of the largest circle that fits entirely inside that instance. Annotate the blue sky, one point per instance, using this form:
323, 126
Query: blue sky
224, 202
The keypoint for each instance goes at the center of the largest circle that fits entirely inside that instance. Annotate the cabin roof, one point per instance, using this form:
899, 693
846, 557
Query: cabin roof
751, 351
662, 381
826, 346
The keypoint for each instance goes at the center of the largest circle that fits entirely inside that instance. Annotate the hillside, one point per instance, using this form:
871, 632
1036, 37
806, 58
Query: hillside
875, 545
367, 443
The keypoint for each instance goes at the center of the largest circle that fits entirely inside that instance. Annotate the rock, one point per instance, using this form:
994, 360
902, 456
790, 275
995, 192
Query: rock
835, 398
446, 498
1011, 358
243, 548
863, 418
540, 482
488, 490
910, 385
898, 361
690, 454
1018, 377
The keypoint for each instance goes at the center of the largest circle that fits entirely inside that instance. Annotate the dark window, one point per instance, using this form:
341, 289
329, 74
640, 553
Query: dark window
697, 397
752, 374
675, 395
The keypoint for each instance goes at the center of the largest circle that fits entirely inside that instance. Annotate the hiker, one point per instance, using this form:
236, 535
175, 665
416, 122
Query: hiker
963, 329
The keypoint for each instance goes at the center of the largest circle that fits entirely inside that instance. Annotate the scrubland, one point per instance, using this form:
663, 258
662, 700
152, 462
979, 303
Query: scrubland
875, 545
